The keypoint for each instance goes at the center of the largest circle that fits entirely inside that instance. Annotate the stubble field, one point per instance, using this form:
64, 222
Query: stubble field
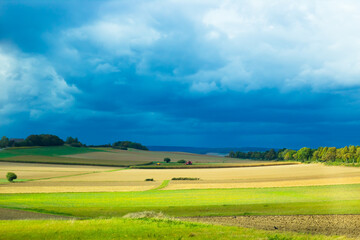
37, 178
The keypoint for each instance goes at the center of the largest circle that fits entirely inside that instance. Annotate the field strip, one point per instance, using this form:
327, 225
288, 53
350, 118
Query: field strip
66, 176
79, 174
17, 214
348, 225
212, 166
164, 184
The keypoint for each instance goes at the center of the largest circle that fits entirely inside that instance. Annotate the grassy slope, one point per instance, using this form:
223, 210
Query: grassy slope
70, 155
117, 228
340, 199
49, 155
44, 151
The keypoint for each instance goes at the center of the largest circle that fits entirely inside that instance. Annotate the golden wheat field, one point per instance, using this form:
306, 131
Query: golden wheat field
39, 171
61, 178
138, 157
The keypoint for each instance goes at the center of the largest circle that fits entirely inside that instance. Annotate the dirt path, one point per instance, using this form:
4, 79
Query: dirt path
14, 214
348, 225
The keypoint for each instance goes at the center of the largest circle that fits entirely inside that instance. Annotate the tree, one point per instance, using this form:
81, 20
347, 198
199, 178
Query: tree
167, 160
129, 144
43, 140
330, 154
10, 176
4, 142
74, 142
303, 154
270, 155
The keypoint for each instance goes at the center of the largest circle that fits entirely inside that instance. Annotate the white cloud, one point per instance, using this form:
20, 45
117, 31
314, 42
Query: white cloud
117, 35
288, 45
257, 43
30, 84
106, 68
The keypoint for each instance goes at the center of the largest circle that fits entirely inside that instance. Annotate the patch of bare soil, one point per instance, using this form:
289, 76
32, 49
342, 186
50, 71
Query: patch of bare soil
14, 214
348, 225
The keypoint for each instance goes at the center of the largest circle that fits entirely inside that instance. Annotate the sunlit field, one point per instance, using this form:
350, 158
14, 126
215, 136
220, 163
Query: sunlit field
212, 195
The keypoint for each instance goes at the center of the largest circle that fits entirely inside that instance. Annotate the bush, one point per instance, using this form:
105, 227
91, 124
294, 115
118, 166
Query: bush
167, 160
185, 178
181, 161
11, 176
149, 180
129, 144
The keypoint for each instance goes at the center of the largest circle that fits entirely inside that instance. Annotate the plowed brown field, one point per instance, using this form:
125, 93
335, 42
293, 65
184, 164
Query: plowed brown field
14, 214
348, 225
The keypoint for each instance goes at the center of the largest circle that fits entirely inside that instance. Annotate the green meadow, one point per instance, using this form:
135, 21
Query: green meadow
120, 228
337, 199
45, 151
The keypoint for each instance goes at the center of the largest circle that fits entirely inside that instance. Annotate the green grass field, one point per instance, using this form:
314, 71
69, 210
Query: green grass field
45, 151
119, 228
337, 199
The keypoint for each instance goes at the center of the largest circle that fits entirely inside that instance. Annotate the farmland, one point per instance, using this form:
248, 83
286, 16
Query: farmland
37, 178
106, 156
101, 194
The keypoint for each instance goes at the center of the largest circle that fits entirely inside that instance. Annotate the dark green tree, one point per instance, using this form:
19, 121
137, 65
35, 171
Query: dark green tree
4, 142
10, 176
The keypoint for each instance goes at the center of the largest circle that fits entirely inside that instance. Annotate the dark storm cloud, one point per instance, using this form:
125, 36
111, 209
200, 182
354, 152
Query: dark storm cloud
241, 73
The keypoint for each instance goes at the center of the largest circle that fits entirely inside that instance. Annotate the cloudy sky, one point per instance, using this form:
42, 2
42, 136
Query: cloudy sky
183, 73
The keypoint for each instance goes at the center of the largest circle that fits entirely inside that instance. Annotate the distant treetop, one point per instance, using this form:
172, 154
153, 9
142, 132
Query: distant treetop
128, 144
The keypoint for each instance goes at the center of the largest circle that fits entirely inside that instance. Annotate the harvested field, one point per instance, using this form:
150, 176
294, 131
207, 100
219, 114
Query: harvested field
59, 178
104, 156
348, 225
38, 174
63, 160
14, 214
213, 165
139, 157
32, 171
273, 176
123, 157
11, 166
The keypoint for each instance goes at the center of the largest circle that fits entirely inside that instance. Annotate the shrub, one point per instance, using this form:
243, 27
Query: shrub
129, 144
181, 161
149, 180
185, 178
167, 160
11, 176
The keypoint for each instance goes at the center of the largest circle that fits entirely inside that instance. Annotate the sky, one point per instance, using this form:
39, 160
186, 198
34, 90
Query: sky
230, 73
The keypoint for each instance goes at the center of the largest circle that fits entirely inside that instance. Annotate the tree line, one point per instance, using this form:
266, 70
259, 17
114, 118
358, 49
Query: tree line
267, 155
53, 140
32, 140
347, 154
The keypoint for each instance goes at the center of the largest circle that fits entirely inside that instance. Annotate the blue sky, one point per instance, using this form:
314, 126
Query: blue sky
186, 73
